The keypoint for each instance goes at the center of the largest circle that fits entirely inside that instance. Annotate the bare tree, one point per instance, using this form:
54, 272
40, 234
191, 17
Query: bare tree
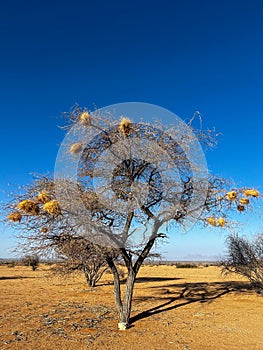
245, 258
123, 185
31, 260
78, 254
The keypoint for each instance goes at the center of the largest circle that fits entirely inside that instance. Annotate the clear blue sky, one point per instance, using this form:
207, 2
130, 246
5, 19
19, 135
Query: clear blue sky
181, 55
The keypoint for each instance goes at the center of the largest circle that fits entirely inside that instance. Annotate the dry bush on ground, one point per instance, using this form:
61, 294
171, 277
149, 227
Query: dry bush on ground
246, 259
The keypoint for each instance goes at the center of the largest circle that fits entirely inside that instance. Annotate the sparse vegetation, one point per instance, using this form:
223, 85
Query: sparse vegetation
245, 258
10, 264
186, 265
77, 254
194, 308
31, 260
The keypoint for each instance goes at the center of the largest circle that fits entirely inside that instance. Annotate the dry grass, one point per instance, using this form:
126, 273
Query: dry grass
187, 309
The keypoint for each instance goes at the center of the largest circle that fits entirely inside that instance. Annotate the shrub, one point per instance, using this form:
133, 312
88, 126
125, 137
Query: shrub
11, 264
186, 265
31, 260
245, 258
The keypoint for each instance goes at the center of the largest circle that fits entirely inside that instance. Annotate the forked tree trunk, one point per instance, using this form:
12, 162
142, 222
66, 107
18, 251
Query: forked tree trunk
93, 277
91, 282
124, 307
125, 310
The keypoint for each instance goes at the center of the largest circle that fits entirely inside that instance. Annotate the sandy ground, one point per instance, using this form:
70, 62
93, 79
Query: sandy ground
173, 308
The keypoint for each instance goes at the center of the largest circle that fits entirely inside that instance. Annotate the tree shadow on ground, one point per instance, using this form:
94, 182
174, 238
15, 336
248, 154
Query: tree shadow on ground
15, 277
144, 280
155, 279
187, 293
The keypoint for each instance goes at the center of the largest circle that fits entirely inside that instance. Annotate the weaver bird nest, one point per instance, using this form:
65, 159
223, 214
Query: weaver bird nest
44, 197
220, 222
52, 207
125, 126
232, 195
244, 201
85, 119
15, 216
76, 148
251, 193
29, 207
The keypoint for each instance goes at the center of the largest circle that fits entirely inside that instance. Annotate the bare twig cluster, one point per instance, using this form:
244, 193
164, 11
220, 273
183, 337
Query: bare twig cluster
245, 258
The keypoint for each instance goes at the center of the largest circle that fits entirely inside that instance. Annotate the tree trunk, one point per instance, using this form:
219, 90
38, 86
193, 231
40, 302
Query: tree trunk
124, 307
90, 281
125, 310
117, 288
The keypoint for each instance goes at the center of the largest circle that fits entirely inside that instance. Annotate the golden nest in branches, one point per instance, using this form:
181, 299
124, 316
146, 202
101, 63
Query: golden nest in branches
76, 148
85, 118
15, 216
231, 195
240, 208
44, 197
44, 229
52, 207
211, 221
221, 222
251, 193
244, 201
125, 126
29, 207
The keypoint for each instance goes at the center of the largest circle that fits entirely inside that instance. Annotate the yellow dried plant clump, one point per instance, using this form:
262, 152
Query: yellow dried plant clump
125, 126
221, 222
85, 118
44, 229
29, 207
244, 201
251, 193
76, 148
211, 221
15, 216
52, 207
231, 195
44, 197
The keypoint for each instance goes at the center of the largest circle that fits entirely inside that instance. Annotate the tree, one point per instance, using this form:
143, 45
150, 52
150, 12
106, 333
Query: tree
44, 230
124, 185
245, 258
31, 260
78, 254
